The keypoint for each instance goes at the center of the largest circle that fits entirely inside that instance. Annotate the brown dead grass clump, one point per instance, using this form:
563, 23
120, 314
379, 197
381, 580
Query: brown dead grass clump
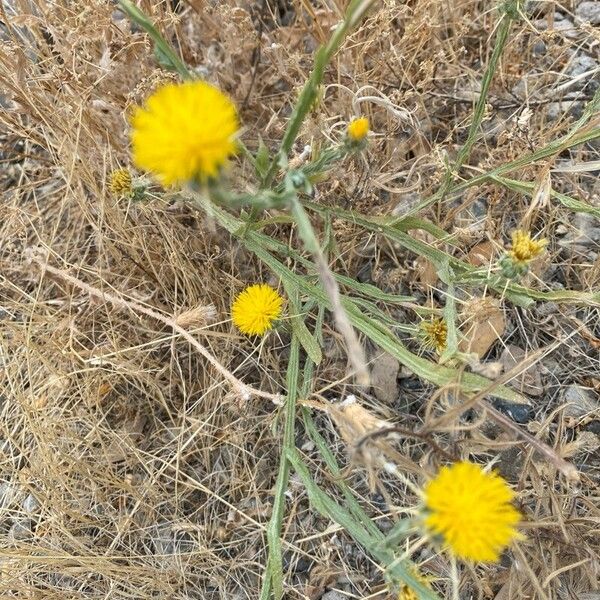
127, 468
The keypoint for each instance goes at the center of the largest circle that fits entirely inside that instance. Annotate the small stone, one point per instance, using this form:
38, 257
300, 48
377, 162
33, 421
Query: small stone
561, 25
365, 273
538, 8
545, 309
520, 413
8, 492
580, 401
168, 542
510, 465
589, 11
593, 426
298, 564
384, 376
20, 530
557, 110
539, 48
407, 203
565, 26
30, 504
522, 89
582, 64
333, 595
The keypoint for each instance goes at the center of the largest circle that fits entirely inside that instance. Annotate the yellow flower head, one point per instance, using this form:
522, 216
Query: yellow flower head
470, 511
524, 249
434, 334
185, 131
358, 129
407, 593
120, 182
256, 308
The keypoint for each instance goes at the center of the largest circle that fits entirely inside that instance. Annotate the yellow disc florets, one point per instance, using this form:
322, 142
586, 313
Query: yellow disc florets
358, 129
120, 183
184, 132
255, 310
469, 511
434, 334
525, 249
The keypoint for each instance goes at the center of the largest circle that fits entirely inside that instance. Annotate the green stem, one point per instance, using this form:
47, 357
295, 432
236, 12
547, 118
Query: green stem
355, 11
479, 112
274, 572
136, 15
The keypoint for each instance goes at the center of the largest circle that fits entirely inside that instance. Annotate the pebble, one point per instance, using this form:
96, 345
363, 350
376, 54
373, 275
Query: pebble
556, 110
580, 401
545, 309
333, 595
20, 530
539, 48
579, 65
7, 494
168, 542
585, 235
510, 465
520, 413
589, 12
384, 376
365, 273
30, 504
561, 25
298, 564
537, 8
593, 426
530, 380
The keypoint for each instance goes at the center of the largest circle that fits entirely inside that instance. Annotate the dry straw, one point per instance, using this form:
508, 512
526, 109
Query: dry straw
140, 459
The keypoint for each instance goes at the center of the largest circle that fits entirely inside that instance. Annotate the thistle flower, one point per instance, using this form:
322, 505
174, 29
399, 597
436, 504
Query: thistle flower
185, 132
120, 182
469, 511
358, 129
524, 249
434, 334
256, 309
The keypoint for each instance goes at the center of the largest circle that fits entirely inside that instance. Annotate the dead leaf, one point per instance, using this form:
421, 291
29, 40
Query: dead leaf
354, 421
426, 271
484, 325
481, 254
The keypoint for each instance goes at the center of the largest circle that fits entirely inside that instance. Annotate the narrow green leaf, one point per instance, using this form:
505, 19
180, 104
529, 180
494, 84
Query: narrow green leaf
400, 572
165, 55
274, 572
308, 342
427, 370
262, 159
355, 508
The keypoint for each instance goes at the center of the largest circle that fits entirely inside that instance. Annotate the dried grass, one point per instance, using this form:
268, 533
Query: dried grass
128, 469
